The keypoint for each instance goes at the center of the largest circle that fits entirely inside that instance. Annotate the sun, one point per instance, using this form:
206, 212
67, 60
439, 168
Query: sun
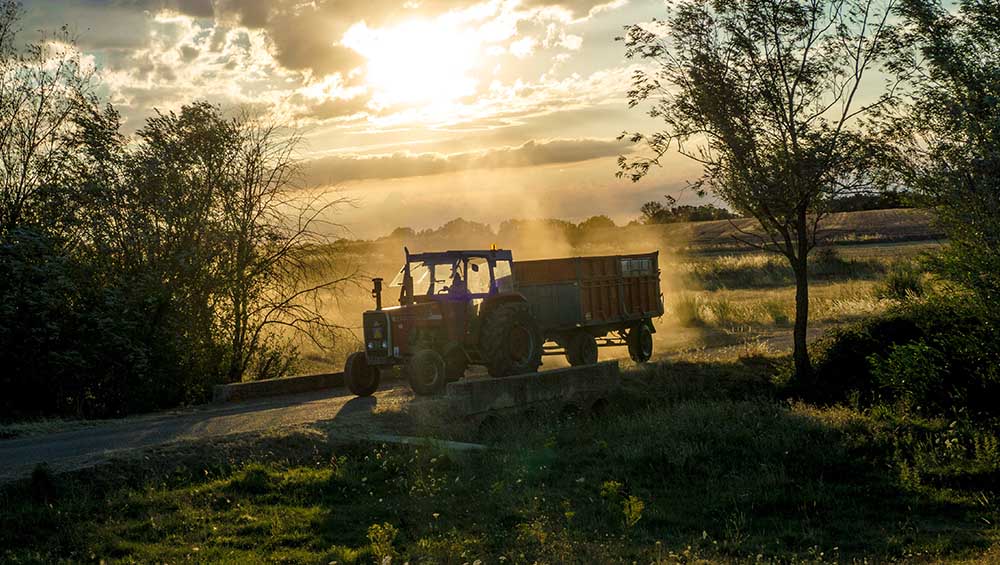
422, 63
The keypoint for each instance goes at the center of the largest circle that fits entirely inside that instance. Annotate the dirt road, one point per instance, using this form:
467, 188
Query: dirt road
83, 447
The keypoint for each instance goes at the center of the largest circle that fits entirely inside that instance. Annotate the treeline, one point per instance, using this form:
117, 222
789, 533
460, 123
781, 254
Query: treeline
138, 271
476, 233
654, 212
659, 213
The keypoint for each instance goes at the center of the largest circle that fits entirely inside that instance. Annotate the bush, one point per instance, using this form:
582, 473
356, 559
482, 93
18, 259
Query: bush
904, 281
939, 357
912, 373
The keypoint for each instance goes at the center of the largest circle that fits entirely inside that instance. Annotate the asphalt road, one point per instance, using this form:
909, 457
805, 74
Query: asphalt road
86, 446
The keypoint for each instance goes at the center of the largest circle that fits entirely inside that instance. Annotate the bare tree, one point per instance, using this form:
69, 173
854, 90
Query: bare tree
42, 85
278, 261
767, 95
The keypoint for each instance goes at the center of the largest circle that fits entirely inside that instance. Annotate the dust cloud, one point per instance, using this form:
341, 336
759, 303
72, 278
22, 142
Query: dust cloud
534, 234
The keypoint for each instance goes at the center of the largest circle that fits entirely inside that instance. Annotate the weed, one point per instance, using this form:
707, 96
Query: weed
687, 309
381, 537
632, 508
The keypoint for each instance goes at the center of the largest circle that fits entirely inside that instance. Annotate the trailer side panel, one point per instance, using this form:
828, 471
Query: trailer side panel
591, 291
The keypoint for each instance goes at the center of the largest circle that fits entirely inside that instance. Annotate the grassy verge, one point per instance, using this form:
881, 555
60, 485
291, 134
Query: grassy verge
694, 460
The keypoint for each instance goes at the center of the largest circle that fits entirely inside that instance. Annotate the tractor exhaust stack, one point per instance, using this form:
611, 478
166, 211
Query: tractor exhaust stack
377, 292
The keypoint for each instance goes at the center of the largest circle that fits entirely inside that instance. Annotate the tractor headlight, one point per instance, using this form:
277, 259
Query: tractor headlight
371, 345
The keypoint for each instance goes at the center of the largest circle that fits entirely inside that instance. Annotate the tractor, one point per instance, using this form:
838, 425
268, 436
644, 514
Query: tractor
456, 308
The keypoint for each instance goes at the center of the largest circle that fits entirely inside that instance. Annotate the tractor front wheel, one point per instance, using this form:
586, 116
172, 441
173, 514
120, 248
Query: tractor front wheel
426, 371
361, 378
511, 341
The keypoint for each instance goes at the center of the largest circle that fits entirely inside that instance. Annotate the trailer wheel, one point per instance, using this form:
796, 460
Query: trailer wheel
511, 341
581, 349
361, 378
640, 343
426, 371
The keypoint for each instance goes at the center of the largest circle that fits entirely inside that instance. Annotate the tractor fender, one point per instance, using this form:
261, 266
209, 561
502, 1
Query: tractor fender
491, 302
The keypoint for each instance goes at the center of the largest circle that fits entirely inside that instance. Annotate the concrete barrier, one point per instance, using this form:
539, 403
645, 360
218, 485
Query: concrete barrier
577, 385
276, 387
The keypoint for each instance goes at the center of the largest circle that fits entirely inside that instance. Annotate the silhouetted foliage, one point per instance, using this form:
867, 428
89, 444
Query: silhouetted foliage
887, 200
135, 273
937, 358
595, 223
950, 133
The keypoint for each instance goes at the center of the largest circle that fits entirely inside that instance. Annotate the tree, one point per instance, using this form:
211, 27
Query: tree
276, 263
42, 87
765, 95
596, 223
950, 133
653, 212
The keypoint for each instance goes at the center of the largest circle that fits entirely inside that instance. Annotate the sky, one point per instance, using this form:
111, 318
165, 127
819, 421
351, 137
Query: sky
417, 111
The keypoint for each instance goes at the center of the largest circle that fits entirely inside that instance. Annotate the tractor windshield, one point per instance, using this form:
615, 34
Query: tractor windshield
428, 278
454, 275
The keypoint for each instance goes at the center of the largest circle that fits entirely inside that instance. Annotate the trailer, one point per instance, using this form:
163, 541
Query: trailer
582, 303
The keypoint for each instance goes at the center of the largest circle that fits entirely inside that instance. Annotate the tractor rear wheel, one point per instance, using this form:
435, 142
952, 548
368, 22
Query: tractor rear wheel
426, 371
511, 341
361, 378
581, 349
640, 343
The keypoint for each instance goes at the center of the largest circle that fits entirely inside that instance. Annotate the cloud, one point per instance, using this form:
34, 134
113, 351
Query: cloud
338, 168
578, 8
333, 108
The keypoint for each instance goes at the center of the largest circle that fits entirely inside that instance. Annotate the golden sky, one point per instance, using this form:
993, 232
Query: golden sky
420, 110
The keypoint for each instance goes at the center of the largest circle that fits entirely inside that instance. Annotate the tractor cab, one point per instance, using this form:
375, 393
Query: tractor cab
454, 276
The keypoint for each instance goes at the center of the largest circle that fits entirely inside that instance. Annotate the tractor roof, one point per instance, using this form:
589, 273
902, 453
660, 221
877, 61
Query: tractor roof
452, 255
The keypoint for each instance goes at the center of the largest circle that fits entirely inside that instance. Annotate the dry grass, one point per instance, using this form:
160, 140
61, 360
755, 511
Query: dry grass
774, 308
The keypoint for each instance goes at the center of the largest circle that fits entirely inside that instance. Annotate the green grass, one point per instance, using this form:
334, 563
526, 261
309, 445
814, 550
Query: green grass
694, 457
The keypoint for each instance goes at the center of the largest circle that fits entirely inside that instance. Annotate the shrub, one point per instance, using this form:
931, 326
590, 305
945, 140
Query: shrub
904, 281
940, 357
776, 309
911, 373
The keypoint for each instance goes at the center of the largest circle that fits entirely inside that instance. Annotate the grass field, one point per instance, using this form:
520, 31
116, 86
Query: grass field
701, 458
